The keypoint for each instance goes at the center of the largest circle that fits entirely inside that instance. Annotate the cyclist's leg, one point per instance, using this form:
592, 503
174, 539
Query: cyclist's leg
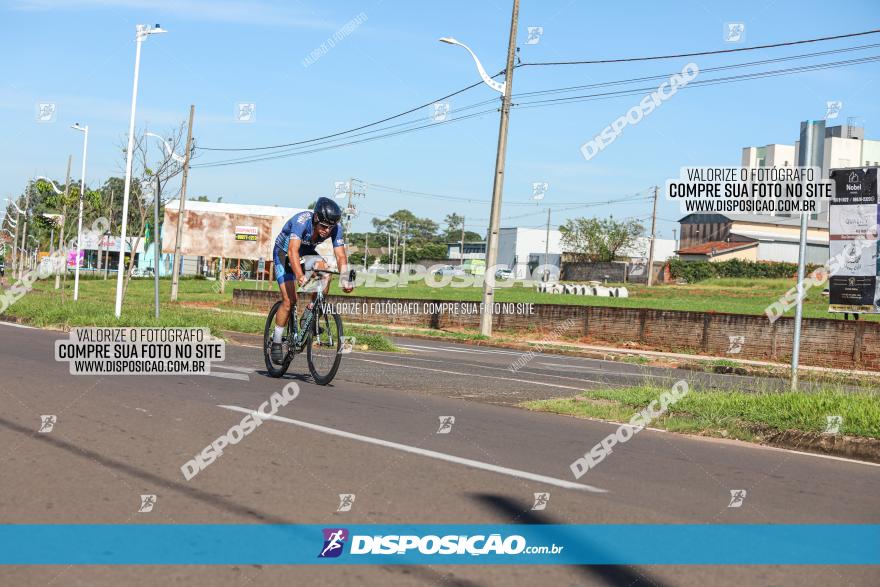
312, 262
287, 285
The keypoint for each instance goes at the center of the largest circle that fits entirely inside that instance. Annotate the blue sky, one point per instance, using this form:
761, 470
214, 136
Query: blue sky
79, 54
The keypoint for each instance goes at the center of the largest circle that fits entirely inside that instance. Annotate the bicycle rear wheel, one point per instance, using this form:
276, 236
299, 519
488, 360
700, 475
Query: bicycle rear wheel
271, 368
324, 347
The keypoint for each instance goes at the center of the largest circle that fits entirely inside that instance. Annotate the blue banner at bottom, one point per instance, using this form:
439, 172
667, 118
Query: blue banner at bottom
611, 544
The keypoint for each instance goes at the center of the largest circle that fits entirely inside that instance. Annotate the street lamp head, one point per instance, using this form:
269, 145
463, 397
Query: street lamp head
51, 183
76, 126
498, 87
143, 30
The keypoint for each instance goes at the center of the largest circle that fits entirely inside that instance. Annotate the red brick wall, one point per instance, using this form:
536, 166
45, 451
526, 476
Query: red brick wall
825, 342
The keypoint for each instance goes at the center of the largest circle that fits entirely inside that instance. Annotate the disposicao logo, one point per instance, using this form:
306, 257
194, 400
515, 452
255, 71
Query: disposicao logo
334, 542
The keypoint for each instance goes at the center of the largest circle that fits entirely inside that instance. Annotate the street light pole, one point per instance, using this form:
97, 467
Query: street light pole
497, 189
12, 263
82, 193
142, 32
27, 203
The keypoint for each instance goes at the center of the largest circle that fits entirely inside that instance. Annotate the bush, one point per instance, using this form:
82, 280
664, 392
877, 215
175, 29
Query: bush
694, 271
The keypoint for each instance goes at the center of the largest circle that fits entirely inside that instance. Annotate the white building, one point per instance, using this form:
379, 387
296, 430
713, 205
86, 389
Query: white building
664, 249
845, 146
522, 249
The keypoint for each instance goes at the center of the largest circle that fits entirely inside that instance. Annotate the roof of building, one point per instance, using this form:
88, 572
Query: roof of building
768, 237
793, 221
224, 208
715, 247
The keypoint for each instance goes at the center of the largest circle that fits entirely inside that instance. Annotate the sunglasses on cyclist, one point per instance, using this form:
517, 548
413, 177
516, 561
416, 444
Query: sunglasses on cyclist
325, 225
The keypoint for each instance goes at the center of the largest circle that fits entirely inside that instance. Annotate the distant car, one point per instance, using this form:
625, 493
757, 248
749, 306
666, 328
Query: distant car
445, 270
503, 274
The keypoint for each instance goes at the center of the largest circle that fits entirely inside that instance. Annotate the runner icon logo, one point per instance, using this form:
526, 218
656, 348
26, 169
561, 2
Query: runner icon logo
737, 497
147, 504
334, 542
832, 425
446, 423
346, 500
541, 500
47, 423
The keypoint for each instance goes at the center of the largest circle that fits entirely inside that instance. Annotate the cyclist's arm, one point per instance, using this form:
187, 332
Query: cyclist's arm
342, 265
295, 262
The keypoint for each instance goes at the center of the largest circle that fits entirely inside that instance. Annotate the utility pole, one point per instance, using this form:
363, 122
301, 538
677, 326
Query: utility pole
461, 245
547, 247
175, 270
61, 248
396, 246
403, 262
107, 238
366, 248
388, 252
15, 251
498, 186
653, 237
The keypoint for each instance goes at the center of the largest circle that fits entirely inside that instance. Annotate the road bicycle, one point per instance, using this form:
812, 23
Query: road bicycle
319, 332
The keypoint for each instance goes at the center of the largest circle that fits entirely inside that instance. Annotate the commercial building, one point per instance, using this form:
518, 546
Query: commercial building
230, 233
523, 249
664, 249
750, 237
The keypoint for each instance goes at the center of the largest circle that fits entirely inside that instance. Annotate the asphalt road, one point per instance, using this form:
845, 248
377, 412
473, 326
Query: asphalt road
373, 433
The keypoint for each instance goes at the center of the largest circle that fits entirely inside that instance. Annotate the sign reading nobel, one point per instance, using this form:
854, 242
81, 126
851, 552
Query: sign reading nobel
853, 225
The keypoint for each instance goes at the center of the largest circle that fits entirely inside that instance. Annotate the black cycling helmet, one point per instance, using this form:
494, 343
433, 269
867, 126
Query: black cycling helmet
326, 211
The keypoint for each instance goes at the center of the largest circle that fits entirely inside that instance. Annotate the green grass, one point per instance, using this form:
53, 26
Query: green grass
48, 307
372, 341
730, 413
729, 295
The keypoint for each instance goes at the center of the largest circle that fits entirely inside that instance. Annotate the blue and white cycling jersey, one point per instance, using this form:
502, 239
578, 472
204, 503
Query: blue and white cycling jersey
300, 227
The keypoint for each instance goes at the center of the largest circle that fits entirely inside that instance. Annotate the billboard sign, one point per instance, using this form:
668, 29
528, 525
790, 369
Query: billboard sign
853, 227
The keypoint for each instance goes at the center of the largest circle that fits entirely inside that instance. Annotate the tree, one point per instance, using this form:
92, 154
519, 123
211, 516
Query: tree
599, 240
418, 230
152, 181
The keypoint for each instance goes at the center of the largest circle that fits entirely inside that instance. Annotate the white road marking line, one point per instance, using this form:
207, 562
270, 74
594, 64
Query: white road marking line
16, 325
238, 376
232, 367
427, 453
572, 367
606, 372
476, 375
455, 350
483, 366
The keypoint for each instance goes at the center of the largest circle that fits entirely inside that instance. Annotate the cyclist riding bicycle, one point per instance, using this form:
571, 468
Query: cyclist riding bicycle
295, 255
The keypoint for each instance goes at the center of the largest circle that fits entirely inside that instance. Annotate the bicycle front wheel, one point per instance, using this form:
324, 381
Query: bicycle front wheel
324, 347
271, 368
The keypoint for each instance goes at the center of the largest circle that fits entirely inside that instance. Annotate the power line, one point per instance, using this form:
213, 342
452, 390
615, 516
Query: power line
336, 146
466, 88
702, 71
700, 83
343, 132
467, 199
701, 53
532, 104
